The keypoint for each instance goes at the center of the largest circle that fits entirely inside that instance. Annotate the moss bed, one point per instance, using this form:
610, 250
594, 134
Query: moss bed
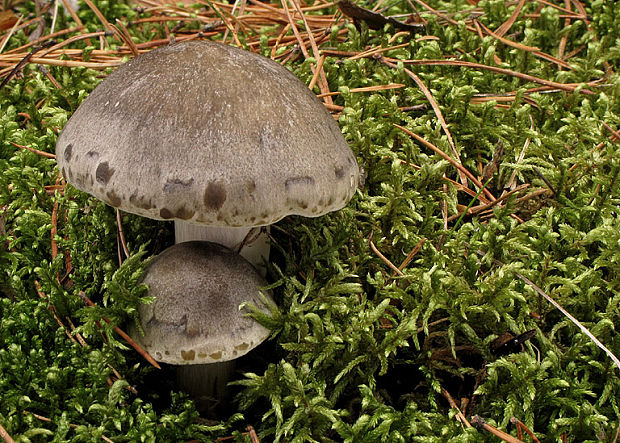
391, 311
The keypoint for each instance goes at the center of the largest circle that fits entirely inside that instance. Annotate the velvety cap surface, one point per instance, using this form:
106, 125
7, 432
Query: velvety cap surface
211, 134
195, 317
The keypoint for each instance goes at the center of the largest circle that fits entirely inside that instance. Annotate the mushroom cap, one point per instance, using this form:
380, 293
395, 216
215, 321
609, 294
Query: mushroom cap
211, 134
195, 318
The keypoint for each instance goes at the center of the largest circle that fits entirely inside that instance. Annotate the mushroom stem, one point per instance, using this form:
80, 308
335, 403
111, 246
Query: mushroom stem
207, 384
255, 249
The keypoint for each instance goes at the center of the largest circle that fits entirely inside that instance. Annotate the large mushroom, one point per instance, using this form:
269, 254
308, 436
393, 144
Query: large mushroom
216, 138
195, 321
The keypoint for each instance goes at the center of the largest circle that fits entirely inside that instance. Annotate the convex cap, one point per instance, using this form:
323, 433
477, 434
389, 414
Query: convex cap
207, 133
195, 318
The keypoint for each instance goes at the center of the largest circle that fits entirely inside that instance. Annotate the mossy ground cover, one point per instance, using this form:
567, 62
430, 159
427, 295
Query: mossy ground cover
388, 310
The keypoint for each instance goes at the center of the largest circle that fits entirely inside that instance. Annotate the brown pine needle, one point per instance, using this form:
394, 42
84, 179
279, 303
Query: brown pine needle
43, 39
367, 89
459, 416
73, 15
300, 41
412, 254
35, 151
122, 31
52, 309
536, 51
478, 209
106, 24
505, 27
521, 426
375, 51
281, 36
564, 39
78, 336
47, 420
435, 107
252, 434
317, 72
383, 258
121, 233
5, 435
437, 13
616, 134
122, 333
479, 422
530, 78
53, 232
445, 156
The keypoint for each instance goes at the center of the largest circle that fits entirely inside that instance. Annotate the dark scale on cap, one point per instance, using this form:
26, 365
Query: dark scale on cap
140, 201
296, 203
184, 214
303, 180
104, 173
165, 213
215, 196
339, 172
251, 186
181, 213
113, 199
68, 151
177, 184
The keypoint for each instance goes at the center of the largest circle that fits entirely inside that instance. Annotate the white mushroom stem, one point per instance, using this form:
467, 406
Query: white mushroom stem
253, 246
207, 384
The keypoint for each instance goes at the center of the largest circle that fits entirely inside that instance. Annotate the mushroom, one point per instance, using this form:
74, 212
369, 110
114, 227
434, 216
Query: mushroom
194, 321
216, 138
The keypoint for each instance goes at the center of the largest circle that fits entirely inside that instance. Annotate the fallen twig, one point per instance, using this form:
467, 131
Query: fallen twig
479, 422
5, 435
561, 309
459, 416
47, 420
122, 333
521, 427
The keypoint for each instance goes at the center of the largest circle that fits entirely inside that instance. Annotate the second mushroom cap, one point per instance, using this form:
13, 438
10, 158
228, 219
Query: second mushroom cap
198, 288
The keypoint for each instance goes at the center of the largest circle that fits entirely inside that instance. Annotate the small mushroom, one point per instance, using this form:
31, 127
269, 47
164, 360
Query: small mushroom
194, 321
216, 138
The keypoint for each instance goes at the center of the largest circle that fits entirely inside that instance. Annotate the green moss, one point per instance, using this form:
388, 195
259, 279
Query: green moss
356, 353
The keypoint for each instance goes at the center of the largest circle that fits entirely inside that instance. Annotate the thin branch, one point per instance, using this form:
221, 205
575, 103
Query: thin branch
47, 420
571, 318
521, 426
122, 333
455, 163
459, 416
121, 233
480, 423
530, 78
562, 310
5, 435
383, 257
435, 107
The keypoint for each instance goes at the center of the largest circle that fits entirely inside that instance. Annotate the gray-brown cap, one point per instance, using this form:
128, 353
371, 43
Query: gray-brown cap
195, 317
207, 133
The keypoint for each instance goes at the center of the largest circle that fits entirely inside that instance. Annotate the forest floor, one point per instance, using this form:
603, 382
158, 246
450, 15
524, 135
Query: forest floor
471, 287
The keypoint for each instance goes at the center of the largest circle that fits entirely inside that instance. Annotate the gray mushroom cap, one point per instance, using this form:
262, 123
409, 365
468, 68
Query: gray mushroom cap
210, 134
195, 318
